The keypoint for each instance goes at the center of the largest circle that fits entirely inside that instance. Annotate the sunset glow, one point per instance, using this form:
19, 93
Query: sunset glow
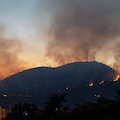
37, 33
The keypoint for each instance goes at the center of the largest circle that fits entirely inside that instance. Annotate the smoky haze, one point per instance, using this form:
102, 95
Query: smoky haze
10, 48
85, 31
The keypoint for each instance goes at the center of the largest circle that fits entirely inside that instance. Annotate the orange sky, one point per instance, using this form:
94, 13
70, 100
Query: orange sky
52, 33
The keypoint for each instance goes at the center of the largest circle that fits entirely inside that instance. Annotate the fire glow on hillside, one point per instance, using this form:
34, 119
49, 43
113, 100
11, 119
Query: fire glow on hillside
116, 78
101, 82
90, 84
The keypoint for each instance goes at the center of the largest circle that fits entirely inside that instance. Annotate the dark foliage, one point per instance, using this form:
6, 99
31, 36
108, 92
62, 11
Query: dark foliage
102, 109
22, 111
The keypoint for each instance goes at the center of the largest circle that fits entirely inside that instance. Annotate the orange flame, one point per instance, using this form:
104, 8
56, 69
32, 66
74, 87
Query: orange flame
101, 82
90, 84
116, 78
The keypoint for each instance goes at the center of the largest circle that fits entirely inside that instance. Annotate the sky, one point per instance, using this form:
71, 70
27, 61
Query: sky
51, 33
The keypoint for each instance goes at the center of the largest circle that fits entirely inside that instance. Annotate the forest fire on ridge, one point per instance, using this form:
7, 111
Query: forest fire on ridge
116, 78
101, 82
90, 84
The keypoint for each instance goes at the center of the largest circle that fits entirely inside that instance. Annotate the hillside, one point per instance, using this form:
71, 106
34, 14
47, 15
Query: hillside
73, 78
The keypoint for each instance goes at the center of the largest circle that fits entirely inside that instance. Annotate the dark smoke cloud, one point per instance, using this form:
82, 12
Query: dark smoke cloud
81, 29
10, 48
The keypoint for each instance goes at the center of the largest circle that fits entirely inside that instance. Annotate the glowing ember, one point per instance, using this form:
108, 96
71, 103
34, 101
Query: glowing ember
67, 88
101, 82
90, 84
26, 95
4, 95
116, 79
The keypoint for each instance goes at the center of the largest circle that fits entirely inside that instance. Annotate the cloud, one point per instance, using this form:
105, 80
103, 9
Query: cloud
10, 49
80, 30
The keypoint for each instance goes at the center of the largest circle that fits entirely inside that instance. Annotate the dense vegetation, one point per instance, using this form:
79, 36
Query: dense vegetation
102, 109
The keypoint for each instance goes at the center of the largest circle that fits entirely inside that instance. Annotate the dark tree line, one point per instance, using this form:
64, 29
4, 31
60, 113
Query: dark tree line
102, 109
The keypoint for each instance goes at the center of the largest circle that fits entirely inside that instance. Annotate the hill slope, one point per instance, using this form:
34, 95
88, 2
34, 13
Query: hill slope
45, 80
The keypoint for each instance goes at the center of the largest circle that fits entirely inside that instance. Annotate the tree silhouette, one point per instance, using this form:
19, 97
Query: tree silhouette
54, 102
101, 109
22, 111
53, 105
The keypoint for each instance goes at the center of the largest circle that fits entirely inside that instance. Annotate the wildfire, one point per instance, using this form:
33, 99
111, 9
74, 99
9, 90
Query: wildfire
4, 95
90, 84
66, 88
116, 79
101, 82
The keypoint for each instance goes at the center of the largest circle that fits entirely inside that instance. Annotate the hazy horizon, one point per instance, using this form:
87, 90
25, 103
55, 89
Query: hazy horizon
56, 32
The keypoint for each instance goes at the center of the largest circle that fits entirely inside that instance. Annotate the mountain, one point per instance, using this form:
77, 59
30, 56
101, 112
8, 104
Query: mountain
35, 85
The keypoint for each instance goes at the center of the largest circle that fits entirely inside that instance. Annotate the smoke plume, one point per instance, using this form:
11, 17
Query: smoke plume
10, 48
85, 31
